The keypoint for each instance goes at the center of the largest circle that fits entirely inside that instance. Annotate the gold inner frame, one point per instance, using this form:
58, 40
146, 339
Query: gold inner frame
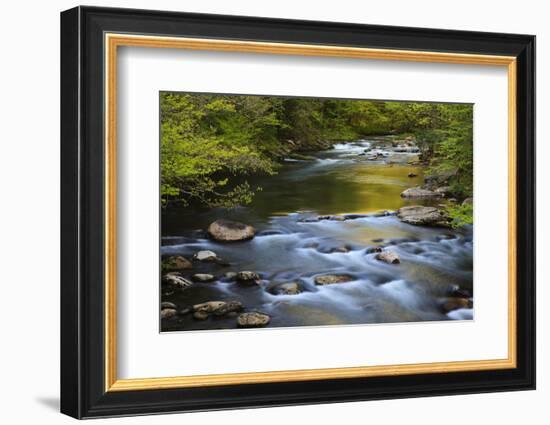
113, 41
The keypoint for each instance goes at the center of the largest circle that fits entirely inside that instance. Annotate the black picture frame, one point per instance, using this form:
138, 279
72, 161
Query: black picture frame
83, 392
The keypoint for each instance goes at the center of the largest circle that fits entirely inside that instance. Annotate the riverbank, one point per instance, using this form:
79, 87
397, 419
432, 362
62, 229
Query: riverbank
324, 218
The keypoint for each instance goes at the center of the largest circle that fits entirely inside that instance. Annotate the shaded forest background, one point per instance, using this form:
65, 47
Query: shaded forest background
212, 144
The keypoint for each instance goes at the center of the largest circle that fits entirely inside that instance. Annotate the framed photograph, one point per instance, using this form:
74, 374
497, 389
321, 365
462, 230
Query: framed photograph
261, 212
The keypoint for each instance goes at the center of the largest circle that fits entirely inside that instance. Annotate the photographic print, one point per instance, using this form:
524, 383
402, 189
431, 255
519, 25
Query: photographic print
291, 211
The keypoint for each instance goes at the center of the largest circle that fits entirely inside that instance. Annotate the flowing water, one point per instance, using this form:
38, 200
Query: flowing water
291, 247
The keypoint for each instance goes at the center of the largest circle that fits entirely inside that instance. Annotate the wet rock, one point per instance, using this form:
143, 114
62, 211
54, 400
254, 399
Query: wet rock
200, 315
423, 216
373, 249
330, 279
168, 313
411, 175
176, 263
205, 255
456, 303
383, 213
309, 220
230, 275
176, 280
166, 304
203, 277
340, 249
406, 149
289, 288
332, 217
337, 218
230, 231
468, 201
419, 193
228, 307
184, 311
253, 319
218, 308
458, 292
209, 306
355, 216
248, 277
389, 257
313, 245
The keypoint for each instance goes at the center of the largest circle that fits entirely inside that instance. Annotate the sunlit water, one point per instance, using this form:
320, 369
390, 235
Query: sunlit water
290, 249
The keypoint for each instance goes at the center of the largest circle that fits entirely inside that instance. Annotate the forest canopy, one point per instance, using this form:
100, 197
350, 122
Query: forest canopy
212, 144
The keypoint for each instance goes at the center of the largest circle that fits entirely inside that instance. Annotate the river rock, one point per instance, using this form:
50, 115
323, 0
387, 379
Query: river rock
218, 308
289, 288
176, 280
253, 319
168, 313
389, 257
468, 201
339, 249
166, 304
411, 175
456, 303
205, 255
230, 231
176, 263
383, 213
203, 277
422, 216
456, 291
248, 277
419, 193
230, 275
329, 279
373, 249
200, 315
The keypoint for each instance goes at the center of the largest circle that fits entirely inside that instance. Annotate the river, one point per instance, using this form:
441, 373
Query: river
291, 246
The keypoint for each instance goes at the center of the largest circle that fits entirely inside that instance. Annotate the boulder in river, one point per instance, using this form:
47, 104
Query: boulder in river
411, 175
423, 216
205, 255
289, 288
419, 193
253, 319
176, 280
456, 303
203, 277
218, 308
200, 315
176, 263
389, 257
168, 313
373, 249
166, 304
248, 277
230, 231
330, 279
